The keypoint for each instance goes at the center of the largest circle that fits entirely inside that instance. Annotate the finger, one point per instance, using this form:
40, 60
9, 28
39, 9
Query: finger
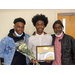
37, 60
48, 61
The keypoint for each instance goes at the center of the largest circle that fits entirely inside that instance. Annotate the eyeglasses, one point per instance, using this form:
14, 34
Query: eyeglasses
58, 27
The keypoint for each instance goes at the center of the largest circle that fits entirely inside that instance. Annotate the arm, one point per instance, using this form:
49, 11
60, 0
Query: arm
30, 47
2, 48
73, 50
26, 38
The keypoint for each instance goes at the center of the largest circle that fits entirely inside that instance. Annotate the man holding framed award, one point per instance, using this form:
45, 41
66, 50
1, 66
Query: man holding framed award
40, 38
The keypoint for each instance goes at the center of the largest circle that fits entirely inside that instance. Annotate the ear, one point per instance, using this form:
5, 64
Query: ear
62, 28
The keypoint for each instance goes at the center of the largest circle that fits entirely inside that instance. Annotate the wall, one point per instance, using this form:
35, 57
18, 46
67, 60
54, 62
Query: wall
7, 17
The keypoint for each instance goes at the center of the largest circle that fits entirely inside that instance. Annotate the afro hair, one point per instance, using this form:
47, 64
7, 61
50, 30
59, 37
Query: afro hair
40, 17
19, 20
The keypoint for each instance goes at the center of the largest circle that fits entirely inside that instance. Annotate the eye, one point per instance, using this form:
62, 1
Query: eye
42, 24
18, 26
57, 27
37, 24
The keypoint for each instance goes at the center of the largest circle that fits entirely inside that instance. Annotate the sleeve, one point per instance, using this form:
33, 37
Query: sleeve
73, 50
26, 38
30, 47
2, 48
51, 40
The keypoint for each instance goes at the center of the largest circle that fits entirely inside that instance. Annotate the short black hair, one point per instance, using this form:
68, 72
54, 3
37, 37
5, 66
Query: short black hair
40, 17
19, 20
58, 22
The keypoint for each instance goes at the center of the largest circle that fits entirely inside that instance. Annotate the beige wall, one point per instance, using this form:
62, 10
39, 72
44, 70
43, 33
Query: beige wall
7, 17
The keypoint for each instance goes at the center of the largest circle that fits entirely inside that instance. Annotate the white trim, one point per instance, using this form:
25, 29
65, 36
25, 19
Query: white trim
64, 23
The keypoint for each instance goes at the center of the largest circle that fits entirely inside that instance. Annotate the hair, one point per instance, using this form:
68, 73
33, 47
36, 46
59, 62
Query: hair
40, 17
19, 20
58, 22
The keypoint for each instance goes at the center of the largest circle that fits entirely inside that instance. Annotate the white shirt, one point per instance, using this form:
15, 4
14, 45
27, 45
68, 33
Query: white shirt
39, 40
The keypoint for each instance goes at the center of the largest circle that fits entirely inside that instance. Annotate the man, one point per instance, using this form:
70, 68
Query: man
64, 46
39, 38
9, 45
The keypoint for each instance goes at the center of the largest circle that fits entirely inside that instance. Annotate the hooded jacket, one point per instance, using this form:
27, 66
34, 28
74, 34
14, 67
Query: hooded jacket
7, 47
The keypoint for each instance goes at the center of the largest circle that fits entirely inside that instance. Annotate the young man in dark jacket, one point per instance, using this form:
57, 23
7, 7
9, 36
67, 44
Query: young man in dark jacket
64, 46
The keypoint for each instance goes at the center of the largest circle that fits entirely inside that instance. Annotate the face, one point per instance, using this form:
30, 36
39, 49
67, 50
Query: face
40, 26
19, 27
58, 29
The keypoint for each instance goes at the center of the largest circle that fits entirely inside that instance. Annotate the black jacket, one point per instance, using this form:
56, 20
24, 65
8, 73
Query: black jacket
67, 49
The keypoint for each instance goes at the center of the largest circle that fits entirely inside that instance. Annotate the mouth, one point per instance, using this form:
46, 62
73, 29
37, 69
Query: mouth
58, 33
40, 29
20, 32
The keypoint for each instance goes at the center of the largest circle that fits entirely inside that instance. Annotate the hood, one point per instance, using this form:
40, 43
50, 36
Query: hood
11, 33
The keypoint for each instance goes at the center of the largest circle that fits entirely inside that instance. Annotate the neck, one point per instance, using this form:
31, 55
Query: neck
39, 33
14, 35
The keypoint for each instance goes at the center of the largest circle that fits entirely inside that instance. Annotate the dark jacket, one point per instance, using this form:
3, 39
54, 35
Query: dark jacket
67, 49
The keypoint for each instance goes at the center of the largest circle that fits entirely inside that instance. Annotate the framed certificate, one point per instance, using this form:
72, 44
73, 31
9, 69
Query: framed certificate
45, 53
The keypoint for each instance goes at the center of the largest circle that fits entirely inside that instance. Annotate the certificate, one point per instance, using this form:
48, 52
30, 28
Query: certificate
45, 53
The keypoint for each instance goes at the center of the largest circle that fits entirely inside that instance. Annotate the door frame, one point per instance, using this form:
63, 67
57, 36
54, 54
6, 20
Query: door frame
64, 13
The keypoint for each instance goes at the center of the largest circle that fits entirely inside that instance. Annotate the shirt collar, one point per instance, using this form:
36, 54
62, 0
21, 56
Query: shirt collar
40, 35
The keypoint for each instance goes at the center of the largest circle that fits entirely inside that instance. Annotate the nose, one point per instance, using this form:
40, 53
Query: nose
57, 29
21, 29
40, 25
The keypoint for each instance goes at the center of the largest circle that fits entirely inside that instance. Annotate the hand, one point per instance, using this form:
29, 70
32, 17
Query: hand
48, 61
33, 61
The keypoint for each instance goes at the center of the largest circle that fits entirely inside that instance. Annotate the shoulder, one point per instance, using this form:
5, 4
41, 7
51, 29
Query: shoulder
6, 40
52, 35
31, 37
68, 36
47, 35
27, 35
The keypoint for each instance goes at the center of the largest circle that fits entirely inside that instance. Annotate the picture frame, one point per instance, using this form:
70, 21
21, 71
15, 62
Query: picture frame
45, 53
